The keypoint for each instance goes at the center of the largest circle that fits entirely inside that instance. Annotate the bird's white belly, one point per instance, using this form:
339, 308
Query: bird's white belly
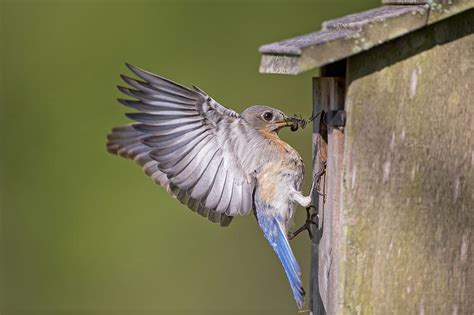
274, 186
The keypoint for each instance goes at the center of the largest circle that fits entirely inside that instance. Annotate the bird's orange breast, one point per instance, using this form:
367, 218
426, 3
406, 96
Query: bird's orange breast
273, 180
282, 147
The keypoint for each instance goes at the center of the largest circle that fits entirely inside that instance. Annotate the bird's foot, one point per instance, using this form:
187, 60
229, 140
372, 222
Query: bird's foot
311, 218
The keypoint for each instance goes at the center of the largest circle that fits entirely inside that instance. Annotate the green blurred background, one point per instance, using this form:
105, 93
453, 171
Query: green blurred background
83, 232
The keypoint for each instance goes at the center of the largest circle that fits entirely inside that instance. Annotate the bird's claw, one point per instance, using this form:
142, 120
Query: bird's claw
310, 219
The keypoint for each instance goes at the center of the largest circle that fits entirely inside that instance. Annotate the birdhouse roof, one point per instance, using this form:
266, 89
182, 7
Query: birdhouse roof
354, 33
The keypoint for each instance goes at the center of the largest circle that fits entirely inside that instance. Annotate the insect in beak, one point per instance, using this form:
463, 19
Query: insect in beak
296, 122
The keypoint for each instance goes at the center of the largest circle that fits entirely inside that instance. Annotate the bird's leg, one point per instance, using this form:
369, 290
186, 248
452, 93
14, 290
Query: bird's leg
310, 219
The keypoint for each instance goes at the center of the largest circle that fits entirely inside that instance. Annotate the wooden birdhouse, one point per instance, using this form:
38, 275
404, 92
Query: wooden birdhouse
393, 154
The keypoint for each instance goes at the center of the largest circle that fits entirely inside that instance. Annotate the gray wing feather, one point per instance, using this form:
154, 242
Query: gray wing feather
215, 193
203, 186
182, 140
126, 141
224, 201
193, 171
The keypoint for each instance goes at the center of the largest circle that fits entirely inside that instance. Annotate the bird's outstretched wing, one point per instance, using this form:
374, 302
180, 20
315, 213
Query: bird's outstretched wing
188, 143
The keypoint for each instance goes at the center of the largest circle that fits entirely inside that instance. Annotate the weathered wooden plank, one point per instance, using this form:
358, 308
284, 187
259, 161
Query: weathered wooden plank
292, 56
279, 64
319, 141
295, 46
352, 34
442, 9
329, 95
409, 180
341, 38
380, 17
334, 196
405, 1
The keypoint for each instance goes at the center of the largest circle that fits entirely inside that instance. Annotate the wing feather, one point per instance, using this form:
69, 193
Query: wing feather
175, 130
148, 88
193, 171
163, 120
161, 83
224, 201
186, 141
154, 98
204, 185
181, 148
214, 196
154, 107
127, 140
235, 201
178, 164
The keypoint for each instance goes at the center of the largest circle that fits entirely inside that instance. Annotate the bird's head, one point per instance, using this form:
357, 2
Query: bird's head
270, 119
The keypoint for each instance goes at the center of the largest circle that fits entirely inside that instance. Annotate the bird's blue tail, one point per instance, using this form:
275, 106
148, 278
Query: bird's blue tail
275, 234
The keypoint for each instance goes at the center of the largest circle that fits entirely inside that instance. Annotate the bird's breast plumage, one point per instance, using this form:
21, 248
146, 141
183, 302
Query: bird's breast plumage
282, 172
291, 163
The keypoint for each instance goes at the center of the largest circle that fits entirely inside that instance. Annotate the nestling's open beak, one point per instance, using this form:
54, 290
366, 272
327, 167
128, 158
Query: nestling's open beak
292, 122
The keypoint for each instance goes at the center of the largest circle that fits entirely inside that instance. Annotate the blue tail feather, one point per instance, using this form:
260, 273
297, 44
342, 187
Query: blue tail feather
290, 265
275, 234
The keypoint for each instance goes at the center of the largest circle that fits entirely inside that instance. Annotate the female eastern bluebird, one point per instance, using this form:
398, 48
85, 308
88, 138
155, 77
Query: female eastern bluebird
217, 162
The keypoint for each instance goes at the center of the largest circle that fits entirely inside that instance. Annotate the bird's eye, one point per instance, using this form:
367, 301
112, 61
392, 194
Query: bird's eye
267, 116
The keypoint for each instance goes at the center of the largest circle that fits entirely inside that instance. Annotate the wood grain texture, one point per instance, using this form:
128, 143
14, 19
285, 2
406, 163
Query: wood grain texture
329, 95
408, 208
319, 158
